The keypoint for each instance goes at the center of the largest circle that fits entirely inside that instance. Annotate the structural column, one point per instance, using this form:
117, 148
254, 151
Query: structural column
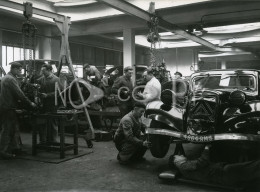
223, 64
1, 44
195, 59
44, 45
129, 49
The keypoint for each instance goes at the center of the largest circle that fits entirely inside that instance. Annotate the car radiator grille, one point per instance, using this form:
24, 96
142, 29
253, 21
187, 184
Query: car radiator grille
202, 114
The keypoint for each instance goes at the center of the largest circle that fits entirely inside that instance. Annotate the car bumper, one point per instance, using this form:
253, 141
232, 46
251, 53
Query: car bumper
204, 138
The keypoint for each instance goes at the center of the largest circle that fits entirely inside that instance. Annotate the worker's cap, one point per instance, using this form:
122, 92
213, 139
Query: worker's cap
140, 105
86, 65
127, 69
47, 66
16, 65
178, 73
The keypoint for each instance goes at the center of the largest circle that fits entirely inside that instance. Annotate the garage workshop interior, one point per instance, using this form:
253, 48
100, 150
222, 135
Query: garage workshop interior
129, 95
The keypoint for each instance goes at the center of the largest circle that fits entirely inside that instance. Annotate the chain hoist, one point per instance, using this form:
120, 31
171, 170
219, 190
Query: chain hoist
156, 61
29, 39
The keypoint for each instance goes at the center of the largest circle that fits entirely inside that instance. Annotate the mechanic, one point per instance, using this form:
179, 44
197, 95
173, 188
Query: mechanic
47, 93
10, 95
128, 139
91, 70
152, 90
124, 81
242, 175
178, 75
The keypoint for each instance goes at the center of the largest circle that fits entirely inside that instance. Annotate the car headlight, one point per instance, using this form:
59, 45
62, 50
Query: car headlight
237, 98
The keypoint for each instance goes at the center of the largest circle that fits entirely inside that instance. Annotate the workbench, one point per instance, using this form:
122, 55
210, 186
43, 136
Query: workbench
64, 118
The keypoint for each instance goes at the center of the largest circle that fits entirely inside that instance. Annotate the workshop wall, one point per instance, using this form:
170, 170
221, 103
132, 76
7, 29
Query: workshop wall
178, 59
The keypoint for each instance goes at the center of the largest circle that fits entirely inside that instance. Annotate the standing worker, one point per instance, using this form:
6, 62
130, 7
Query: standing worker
47, 92
9, 97
125, 83
152, 90
178, 75
90, 71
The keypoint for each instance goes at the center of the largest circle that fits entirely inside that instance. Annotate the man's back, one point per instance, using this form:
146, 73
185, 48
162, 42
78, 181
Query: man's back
10, 92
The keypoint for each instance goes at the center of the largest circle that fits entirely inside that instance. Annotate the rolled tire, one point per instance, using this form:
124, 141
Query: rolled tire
160, 143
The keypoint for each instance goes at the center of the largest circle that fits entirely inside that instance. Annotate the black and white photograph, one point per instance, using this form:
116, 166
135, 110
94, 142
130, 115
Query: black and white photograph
129, 95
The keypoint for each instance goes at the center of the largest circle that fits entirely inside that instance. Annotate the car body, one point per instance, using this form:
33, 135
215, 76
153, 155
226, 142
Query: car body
211, 106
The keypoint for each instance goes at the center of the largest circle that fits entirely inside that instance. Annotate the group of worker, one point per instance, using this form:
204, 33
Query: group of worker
129, 137
11, 97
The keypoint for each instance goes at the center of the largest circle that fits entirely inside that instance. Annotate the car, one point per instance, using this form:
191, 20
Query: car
220, 107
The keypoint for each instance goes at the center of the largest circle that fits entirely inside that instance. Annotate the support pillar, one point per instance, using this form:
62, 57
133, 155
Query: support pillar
195, 59
44, 45
223, 65
129, 50
1, 44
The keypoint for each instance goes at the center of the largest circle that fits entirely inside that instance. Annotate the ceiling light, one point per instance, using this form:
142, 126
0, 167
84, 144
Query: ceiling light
233, 28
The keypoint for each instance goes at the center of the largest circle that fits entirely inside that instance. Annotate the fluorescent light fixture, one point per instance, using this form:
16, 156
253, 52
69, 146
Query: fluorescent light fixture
160, 4
233, 28
73, 3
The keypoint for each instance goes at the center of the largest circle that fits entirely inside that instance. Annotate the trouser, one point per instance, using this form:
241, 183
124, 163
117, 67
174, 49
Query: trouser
10, 134
48, 132
242, 174
129, 151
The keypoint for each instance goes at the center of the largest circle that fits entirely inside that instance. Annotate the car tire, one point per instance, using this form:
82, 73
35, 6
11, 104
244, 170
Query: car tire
160, 143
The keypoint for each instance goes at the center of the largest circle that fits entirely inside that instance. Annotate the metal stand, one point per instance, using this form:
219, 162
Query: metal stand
64, 26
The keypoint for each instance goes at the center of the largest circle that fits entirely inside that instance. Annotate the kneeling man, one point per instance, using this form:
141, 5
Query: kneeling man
128, 136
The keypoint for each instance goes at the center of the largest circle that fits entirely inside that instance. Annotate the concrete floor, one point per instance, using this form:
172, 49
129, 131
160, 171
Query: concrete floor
98, 171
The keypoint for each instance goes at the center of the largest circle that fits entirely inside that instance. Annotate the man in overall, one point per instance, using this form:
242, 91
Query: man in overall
128, 139
10, 96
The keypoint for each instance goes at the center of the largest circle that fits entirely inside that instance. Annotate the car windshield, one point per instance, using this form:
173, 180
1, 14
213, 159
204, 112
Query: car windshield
226, 81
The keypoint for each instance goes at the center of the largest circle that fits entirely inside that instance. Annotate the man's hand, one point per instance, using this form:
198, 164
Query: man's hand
43, 95
179, 159
139, 94
147, 144
33, 105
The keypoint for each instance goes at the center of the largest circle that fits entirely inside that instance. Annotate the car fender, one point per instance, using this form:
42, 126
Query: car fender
173, 118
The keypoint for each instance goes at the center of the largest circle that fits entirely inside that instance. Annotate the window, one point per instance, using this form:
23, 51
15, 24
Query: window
10, 54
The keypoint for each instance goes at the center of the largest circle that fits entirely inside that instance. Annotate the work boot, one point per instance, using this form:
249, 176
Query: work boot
89, 143
19, 152
122, 162
7, 156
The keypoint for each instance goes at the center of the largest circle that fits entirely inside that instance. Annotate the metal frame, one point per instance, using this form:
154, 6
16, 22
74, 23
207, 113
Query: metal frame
128, 8
63, 23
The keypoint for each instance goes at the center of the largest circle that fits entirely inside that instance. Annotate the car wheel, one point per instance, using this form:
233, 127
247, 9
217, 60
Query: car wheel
160, 143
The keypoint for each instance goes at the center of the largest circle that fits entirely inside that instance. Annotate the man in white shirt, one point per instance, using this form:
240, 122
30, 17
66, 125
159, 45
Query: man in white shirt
152, 90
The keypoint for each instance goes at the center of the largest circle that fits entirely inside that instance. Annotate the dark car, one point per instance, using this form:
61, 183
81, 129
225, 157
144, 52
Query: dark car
217, 106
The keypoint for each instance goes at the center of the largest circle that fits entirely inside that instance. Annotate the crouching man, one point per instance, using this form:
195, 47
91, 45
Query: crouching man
128, 136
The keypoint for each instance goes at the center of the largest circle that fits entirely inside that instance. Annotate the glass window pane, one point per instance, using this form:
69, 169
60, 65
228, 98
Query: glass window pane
3, 55
17, 54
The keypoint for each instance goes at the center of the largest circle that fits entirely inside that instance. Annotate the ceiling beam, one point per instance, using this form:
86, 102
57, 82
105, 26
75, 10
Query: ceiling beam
37, 11
135, 11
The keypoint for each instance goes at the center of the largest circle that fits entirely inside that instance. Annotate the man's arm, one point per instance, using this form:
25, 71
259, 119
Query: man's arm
183, 163
18, 93
116, 85
98, 75
128, 132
